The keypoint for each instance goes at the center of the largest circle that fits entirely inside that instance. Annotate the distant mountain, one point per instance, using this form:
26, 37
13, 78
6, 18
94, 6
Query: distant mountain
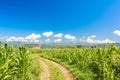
53, 45
99, 45
68, 44
118, 44
16, 43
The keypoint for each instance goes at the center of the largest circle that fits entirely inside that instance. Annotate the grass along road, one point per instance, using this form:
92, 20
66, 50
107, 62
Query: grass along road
45, 75
65, 72
52, 70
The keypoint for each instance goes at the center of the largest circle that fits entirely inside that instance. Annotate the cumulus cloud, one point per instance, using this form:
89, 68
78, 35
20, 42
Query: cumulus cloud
20, 39
93, 36
47, 40
70, 37
117, 32
47, 34
59, 35
58, 40
90, 39
33, 38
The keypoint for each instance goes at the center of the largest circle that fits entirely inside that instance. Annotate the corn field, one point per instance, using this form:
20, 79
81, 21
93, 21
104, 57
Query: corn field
88, 63
16, 64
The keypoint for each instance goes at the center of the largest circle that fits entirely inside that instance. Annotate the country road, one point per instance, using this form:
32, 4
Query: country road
45, 75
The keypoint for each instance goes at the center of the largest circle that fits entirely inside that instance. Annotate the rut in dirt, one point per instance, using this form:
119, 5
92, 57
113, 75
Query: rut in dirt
66, 73
45, 75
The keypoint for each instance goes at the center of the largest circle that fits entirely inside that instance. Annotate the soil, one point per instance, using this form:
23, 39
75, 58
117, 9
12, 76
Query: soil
45, 75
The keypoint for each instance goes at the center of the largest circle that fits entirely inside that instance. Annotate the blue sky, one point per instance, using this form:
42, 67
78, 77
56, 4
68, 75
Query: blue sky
79, 18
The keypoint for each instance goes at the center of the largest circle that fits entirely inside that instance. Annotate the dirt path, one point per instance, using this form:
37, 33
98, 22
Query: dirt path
45, 75
66, 73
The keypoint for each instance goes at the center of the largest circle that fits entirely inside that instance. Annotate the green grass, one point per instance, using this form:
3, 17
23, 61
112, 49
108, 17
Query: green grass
17, 63
55, 73
88, 63
36, 69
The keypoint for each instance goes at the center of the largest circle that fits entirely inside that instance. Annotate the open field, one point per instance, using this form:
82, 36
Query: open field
59, 39
22, 63
88, 63
18, 63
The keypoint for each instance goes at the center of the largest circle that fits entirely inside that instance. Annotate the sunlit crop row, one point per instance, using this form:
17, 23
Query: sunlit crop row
88, 63
15, 63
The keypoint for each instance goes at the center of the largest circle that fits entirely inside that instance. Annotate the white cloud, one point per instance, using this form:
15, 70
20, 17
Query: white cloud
93, 36
90, 39
70, 37
21, 39
117, 32
108, 41
10, 39
57, 40
59, 35
47, 34
47, 40
33, 38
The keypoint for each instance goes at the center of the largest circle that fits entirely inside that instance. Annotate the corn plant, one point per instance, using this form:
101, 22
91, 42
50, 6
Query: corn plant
16, 63
88, 63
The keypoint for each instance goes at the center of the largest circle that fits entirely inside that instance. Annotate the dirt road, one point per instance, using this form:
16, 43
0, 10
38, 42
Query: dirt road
45, 75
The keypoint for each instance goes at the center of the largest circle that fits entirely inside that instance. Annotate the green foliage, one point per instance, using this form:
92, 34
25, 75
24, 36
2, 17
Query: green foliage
16, 63
88, 63
79, 46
